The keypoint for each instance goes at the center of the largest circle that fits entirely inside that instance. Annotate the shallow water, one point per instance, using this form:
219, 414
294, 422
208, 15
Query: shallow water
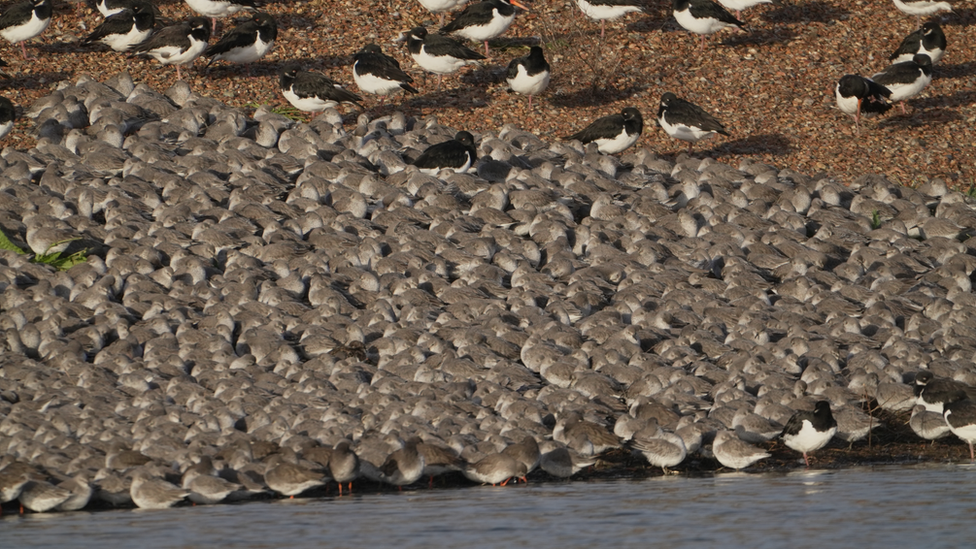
903, 506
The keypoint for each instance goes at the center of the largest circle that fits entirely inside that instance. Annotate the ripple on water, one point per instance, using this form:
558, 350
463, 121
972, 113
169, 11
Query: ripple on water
930, 506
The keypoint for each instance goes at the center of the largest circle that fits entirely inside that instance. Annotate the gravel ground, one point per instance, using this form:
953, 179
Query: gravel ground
771, 86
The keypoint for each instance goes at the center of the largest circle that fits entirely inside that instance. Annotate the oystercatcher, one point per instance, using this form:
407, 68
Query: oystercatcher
934, 392
8, 114
377, 73
529, 75
247, 42
25, 20
739, 5
960, 414
440, 7
602, 10
686, 121
906, 79
219, 8
109, 8
918, 8
613, 133
178, 44
457, 154
928, 40
125, 28
437, 53
809, 431
703, 17
483, 21
312, 91
855, 94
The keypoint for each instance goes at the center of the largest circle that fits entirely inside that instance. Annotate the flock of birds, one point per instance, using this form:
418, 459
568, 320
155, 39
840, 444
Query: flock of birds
943, 406
129, 27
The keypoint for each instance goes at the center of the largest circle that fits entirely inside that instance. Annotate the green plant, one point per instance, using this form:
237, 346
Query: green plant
53, 259
287, 112
875, 220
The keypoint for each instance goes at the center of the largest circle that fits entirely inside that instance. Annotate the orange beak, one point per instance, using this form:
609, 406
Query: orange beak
518, 4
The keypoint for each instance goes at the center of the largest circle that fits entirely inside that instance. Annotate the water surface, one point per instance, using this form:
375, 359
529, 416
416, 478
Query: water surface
891, 506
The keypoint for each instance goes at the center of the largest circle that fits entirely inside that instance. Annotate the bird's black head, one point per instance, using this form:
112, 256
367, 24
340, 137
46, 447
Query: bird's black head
536, 52
464, 138
930, 26
922, 60
200, 28
288, 74
631, 113
923, 377
666, 100
956, 396
417, 33
264, 20
822, 408
371, 48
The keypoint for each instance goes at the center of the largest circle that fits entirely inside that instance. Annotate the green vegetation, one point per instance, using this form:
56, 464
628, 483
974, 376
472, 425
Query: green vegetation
875, 220
287, 112
53, 259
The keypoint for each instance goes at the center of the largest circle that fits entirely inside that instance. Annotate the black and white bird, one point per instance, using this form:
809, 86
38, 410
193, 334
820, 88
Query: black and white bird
126, 28
109, 8
613, 133
312, 91
703, 17
809, 431
178, 44
529, 75
8, 114
440, 7
856, 94
379, 74
25, 20
247, 42
906, 79
219, 8
483, 21
438, 54
604, 10
458, 154
934, 392
928, 40
920, 8
686, 121
960, 414
739, 5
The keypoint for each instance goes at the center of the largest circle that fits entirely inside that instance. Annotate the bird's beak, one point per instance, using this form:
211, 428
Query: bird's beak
518, 4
